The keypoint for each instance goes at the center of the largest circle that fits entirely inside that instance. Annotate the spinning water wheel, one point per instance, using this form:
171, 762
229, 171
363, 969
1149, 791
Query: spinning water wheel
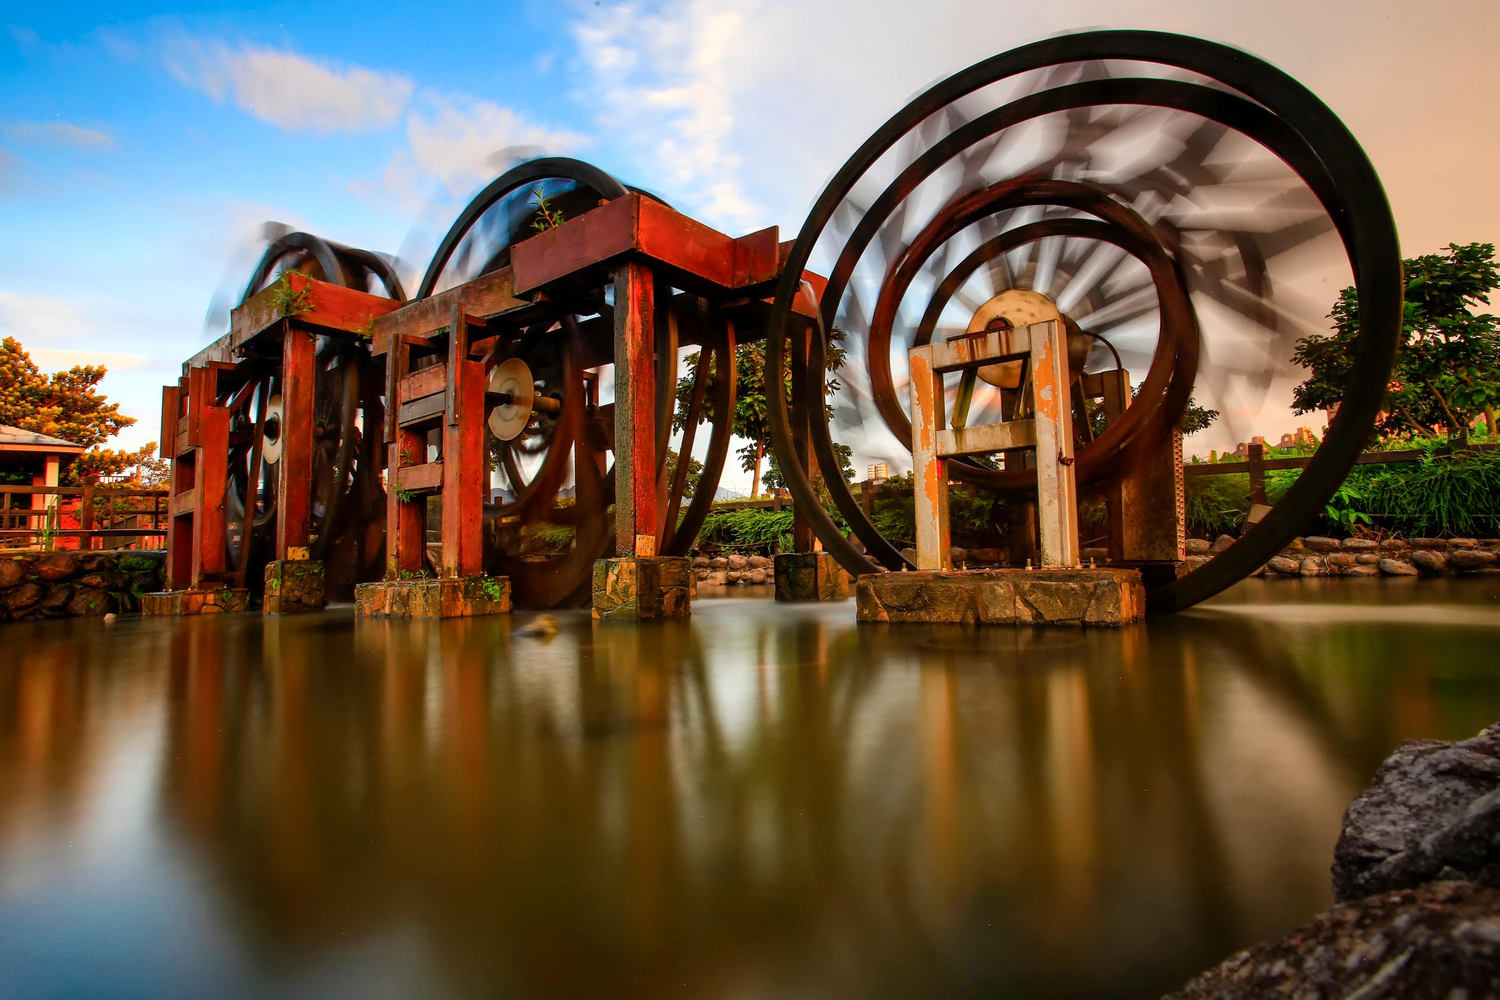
549, 370
1188, 209
348, 503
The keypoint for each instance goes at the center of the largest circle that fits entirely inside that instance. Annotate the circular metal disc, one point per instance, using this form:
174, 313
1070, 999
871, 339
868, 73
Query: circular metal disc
508, 421
270, 450
1022, 307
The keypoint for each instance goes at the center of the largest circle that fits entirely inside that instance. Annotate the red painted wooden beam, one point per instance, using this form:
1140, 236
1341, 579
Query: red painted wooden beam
642, 227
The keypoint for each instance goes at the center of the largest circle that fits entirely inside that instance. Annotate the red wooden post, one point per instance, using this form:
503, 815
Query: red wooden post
179, 529
464, 466
86, 516
294, 478
635, 412
405, 522
212, 474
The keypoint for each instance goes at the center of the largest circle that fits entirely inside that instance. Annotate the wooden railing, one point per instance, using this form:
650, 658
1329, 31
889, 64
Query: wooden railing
94, 516
1256, 464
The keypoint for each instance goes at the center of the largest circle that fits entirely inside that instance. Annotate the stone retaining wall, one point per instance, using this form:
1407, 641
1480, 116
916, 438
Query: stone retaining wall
733, 569
1310, 556
66, 584
1355, 557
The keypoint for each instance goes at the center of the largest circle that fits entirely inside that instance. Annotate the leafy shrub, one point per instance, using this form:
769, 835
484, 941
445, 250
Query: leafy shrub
754, 528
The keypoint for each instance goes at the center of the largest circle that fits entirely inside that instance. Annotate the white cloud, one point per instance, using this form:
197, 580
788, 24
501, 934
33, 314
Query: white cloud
39, 322
36, 321
455, 139
31, 318
57, 359
457, 143
292, 91
664, 85
59, 134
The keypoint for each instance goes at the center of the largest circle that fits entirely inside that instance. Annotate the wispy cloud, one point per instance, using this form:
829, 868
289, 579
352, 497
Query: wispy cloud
36, 321
34, 317
454, 138
292, 91
455, 143
663, 84
59, 134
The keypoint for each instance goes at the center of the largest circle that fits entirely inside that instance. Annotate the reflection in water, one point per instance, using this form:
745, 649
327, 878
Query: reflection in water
763, 801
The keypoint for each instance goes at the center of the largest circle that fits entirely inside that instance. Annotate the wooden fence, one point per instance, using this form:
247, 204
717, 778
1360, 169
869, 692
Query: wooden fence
1256, 465
88, 517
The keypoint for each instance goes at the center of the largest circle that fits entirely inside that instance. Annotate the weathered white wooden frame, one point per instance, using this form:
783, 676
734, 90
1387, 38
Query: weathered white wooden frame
1049, 432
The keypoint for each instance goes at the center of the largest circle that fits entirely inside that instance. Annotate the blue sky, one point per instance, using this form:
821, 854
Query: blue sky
141, 147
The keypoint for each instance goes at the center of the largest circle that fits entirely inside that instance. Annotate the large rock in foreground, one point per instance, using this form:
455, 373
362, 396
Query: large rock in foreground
1431, 812
1441, 940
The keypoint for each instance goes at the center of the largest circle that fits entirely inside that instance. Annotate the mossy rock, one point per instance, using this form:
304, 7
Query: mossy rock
150, 563
92, 601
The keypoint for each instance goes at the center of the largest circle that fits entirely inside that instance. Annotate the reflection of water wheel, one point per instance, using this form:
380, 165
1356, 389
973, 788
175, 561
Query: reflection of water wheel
550, 432
1166, 194
348, 503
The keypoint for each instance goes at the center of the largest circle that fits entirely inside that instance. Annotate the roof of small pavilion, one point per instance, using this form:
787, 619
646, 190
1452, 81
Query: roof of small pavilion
14, 439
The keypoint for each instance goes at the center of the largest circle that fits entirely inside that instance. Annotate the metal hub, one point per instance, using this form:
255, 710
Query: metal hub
511, 380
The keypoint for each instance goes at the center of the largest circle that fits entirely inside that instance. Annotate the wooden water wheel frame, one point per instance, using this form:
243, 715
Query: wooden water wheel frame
348, 512
566, 345
1234, 92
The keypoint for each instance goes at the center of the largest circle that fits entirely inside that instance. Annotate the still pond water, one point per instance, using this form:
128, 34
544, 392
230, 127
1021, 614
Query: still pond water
766, 801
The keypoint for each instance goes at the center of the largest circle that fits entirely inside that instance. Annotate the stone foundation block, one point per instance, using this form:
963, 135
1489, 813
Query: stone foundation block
643, 588
294, 587
445, 597
1088, 597
810, 576
218, 600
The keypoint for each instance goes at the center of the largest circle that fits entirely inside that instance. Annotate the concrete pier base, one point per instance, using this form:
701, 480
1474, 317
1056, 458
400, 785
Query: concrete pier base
643, 588
810, 576
1086, 597
445, 597
203, 601
294, 587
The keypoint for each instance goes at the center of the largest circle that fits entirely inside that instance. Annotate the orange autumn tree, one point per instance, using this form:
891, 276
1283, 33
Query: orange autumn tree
68, 405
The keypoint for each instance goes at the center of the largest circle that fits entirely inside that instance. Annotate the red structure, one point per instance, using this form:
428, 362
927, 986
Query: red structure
608, 295
252, 390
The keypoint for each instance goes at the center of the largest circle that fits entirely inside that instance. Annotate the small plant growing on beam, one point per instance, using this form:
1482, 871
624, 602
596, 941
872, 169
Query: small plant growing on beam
548, 216
405, 495
290, 301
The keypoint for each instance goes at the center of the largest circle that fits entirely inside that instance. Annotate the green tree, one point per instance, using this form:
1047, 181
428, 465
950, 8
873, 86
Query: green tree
1448, 362
64, 404
750, 414
694, 470
1194, 419
776, 481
